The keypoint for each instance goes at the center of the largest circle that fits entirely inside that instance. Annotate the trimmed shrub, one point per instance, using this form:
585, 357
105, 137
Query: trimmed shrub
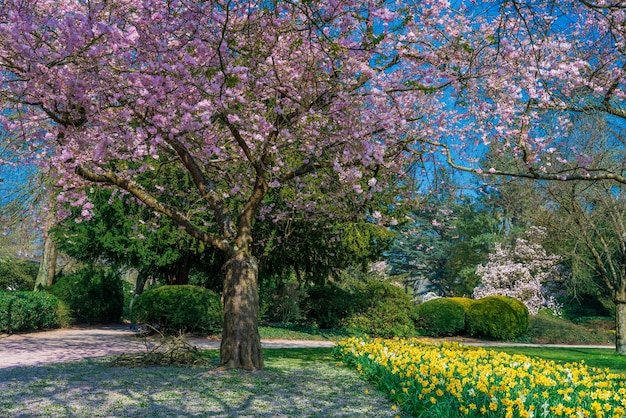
496, 317
182, 308
329, 306
94, 295
521, 311
390, 312
466, 302
442, 316
29, 311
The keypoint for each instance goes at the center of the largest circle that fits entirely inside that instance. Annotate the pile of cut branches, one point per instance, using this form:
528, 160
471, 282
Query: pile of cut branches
169, 351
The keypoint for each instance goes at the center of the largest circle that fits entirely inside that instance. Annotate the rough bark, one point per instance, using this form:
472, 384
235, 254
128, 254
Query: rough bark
48, 265
620, 323
241, 342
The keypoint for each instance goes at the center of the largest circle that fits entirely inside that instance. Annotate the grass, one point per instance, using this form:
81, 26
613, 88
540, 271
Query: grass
545, 329
295, 383
594, 357
299, 332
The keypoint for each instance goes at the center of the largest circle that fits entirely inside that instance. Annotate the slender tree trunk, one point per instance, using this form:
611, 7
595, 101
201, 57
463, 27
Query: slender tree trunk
140, 283
620, 322
48, 265
241, 342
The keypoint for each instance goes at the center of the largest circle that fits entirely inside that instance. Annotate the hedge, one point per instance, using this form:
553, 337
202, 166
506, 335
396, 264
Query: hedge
29, 311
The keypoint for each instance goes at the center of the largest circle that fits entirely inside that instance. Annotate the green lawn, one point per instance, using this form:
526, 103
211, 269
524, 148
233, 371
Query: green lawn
594, 357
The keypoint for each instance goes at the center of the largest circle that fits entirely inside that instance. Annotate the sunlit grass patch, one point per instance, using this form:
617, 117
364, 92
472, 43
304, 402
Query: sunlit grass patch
448, 380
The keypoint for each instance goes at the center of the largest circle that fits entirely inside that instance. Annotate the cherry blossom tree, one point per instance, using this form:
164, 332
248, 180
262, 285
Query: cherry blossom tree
520, 272
537, 65
329, 97
242, 96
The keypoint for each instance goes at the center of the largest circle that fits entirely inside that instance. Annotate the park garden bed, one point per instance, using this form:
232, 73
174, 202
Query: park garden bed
451, 380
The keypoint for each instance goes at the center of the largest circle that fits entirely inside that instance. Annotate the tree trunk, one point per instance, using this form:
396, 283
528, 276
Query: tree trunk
48, 265
620, 322
241, 342
140, 283
179, 274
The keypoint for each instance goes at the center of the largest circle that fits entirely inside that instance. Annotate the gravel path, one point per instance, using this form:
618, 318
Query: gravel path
79, 343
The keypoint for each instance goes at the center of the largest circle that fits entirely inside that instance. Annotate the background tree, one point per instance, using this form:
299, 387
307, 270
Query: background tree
521, 272
126, 234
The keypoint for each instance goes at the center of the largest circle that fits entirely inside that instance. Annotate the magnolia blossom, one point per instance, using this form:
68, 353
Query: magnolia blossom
520, 272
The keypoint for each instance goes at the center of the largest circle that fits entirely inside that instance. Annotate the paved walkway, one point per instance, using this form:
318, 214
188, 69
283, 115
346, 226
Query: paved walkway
79, 343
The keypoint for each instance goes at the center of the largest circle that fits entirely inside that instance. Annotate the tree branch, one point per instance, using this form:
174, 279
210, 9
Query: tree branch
137, 191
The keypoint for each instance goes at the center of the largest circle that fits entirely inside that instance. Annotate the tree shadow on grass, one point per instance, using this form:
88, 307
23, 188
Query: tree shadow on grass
295, 383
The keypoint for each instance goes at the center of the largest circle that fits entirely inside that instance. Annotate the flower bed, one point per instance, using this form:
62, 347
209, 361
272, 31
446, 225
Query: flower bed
451, 380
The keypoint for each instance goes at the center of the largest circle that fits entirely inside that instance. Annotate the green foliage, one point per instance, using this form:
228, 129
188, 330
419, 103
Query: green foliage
585, 305
183, 308
315, 251
496, 317
27, 311
93, 294
329, 305
520, 309
442, 316
282, 304
390, 312
131, 235
546, 329
466, 302
17, 274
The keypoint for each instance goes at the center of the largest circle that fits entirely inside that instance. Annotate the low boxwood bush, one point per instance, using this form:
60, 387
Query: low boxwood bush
521, 311
94, 295
441, 317
496, 317
29, 311
182, 308
390, 312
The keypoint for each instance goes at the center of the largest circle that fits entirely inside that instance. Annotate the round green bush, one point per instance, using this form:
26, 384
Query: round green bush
521, 311
389, 314
182, 308
496, 317
93, 294
441, 317
28, 311
465, 302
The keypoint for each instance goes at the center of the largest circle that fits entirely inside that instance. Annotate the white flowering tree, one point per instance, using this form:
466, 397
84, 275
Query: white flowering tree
520, 271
